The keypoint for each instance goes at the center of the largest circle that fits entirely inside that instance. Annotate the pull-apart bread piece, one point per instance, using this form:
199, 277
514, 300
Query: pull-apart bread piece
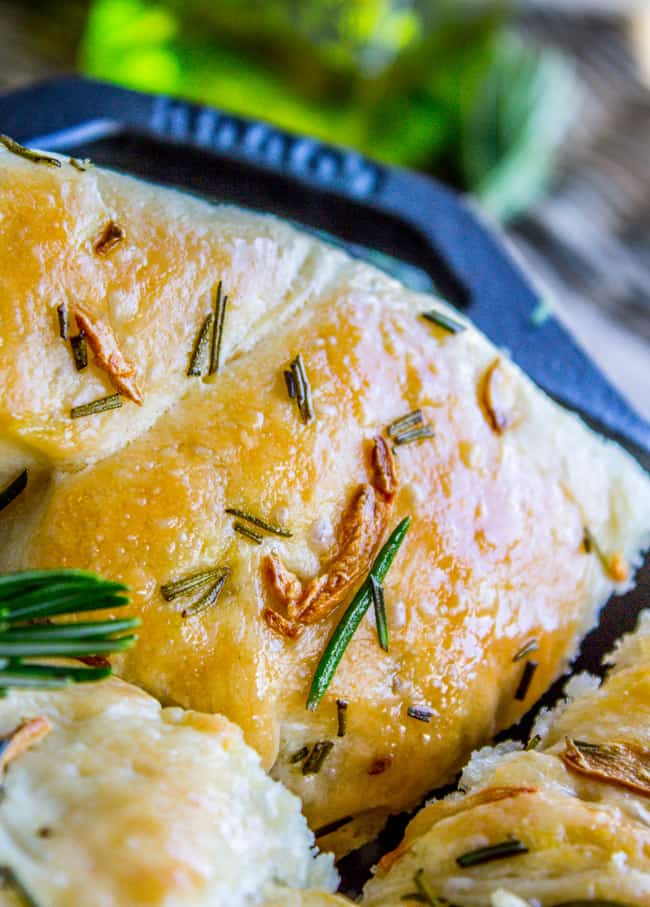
567, 822
322, 403
109, 800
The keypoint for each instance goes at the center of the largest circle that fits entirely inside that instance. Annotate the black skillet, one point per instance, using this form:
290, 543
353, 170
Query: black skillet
367, 206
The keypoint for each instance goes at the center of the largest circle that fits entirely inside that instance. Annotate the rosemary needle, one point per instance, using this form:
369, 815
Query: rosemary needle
353, 616
209, 598
217, 332
199, 360
410, 420
510, 848
35, 156
248, 533
11, 491
527, 649
257, 521
341, 717
444, 321
172, 590
526, 678
379, 603
113, 401
39, 595
415, 434
79, 350
332, 826
319, 753
62, 316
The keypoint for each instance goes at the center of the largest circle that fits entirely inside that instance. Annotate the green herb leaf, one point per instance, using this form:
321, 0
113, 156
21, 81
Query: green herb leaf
444, 321
299, 388
248, 533
113, 401
79, 350
410, 420
208, 599
257, 521
34, 156
526, 678
510, 848
319, 753
379, 603
527, 649
217, 333
11, 491
199, 360
419, 713
41, 595
332, 826
341, 717
353, 616
172, 590
416, 434
62, 316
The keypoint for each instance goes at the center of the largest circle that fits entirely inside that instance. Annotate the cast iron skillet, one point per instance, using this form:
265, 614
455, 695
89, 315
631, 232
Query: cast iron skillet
367, 206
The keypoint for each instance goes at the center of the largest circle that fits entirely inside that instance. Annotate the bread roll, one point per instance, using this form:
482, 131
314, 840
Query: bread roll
579, 803
109, 800
500, 483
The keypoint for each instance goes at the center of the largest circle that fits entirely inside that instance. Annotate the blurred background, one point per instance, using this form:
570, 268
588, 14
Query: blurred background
539, 109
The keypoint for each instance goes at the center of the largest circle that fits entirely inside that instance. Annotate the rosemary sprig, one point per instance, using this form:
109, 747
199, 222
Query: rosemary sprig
34, 156
299, 388
332, 826
341, 717
199, 360
11, 491
510, 848
9, 879
415, 434
527, 649
79, 350
217, 333
260, 523
62, 316
353, 616
444, 321
319, 753
419, 713
526, 678
379, 604
248, 533
39, 595
113, 401
404, 423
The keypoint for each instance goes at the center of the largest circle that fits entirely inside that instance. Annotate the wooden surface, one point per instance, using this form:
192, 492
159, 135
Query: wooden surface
587, 242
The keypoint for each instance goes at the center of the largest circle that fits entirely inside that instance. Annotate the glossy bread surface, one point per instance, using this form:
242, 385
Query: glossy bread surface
499, 497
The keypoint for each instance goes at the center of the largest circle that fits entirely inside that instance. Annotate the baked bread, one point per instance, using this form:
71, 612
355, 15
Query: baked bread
578, 802
500, 483
109, 800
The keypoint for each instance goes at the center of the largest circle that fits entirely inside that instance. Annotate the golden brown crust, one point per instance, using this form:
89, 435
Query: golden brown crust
492, 557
